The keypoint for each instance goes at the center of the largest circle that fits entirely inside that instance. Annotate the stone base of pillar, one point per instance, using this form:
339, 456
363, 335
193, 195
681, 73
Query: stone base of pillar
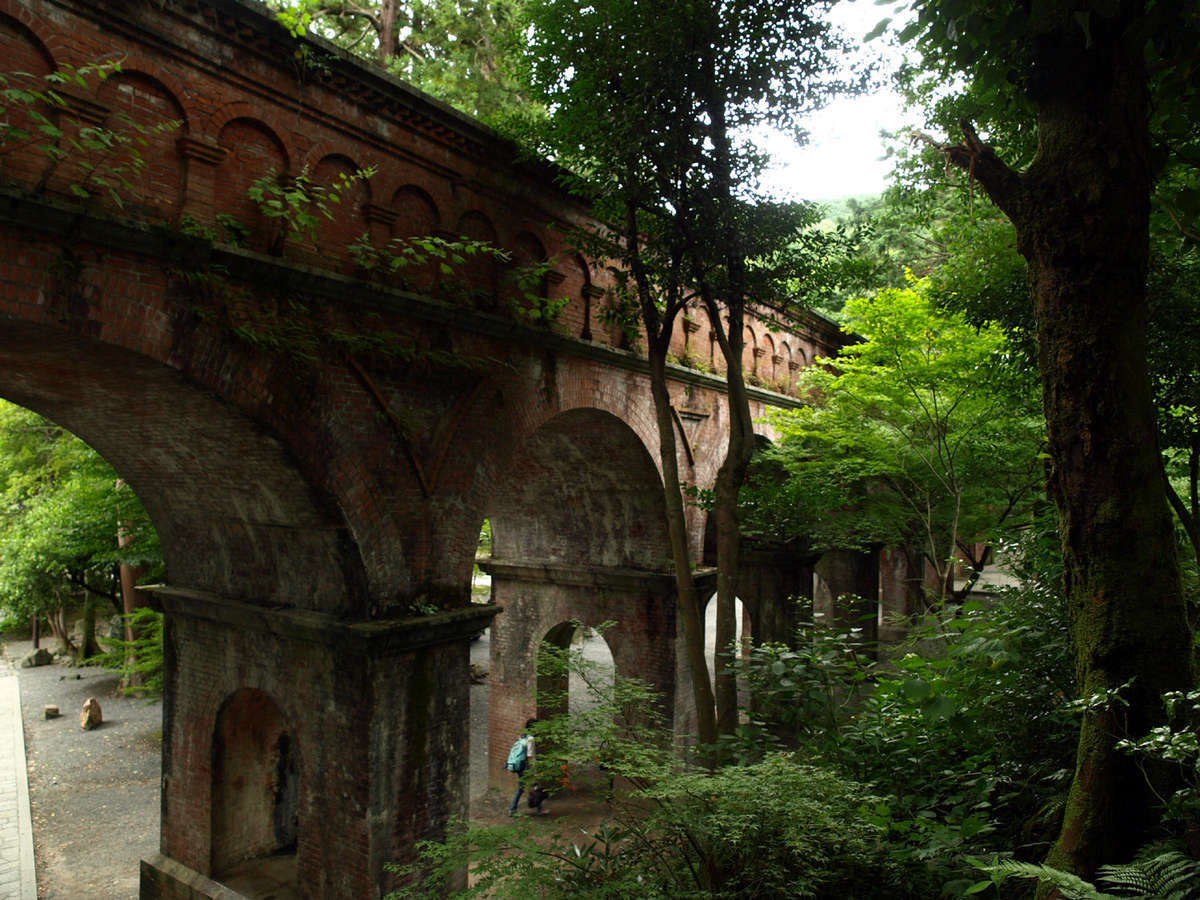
164, 878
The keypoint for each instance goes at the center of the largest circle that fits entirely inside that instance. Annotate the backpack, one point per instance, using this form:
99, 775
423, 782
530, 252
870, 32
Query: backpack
518, 755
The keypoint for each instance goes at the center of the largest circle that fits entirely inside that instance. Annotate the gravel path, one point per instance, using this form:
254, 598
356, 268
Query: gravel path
94, 794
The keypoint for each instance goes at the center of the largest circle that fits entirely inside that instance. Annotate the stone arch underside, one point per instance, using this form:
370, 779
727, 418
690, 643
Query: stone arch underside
234, 516
582, 490
579, 534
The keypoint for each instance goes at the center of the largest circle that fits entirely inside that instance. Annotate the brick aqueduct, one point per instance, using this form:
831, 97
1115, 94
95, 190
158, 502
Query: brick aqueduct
317, 449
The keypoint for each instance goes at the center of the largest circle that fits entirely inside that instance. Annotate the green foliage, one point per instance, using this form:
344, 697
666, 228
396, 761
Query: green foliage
440, 266
774, 828
922, 434
1068, 885
298, 203
464, 52
140, 660
965, 726
104, 160
620, 731
61, 508
1165, 876
1176, 745
621, 309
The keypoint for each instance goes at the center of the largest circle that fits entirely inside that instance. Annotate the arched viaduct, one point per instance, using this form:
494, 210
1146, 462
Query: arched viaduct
316, 446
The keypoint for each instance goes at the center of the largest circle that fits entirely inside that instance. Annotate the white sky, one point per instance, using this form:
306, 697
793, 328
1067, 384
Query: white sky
843, 157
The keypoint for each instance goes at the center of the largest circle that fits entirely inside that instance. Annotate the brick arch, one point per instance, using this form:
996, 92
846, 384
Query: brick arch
482, 272
233, 513
528, 248
23, 51
766, 360
581, 490
254, 150
527, 251
145, 99
416, 212
749, 346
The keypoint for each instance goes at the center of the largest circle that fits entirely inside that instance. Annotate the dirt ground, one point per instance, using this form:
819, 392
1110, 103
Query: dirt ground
94, 794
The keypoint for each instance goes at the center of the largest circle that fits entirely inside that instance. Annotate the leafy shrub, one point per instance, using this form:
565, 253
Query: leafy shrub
141, 659
773, 829
966, 727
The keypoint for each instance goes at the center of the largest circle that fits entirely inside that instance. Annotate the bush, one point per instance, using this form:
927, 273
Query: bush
772, 829
967, 728
140, 661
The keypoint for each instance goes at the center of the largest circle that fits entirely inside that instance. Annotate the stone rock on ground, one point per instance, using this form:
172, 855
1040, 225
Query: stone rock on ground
39, 657
91, 715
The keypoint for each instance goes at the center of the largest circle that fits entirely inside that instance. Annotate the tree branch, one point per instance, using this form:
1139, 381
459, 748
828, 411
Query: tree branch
981, 164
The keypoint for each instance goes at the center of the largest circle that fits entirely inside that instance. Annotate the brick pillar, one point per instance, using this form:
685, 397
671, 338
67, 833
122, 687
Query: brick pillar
848, 572
536, 600
775, 582
899, 590
377, 725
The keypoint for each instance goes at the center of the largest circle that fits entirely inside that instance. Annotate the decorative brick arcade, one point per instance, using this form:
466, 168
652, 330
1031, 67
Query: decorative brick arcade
317, 446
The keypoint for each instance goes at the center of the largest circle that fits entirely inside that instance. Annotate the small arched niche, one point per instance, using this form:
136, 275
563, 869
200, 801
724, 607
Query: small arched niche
255, 782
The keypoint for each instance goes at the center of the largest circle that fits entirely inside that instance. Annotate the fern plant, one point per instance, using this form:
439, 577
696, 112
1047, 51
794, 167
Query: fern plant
1165, 876
1168, 875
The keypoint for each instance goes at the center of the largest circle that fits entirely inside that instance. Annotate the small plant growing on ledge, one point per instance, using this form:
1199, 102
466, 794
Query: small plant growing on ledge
298, 203
100, 159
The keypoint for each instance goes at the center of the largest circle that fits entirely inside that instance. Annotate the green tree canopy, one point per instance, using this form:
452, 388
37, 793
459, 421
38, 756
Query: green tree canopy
62, 508
467, 53
923, 434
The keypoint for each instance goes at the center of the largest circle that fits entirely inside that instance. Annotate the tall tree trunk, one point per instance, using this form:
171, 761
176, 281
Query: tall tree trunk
88, 647
1087, 243
131, 600
688, 606
728, 324
61, 631
730, 477
1082, 217
387, 30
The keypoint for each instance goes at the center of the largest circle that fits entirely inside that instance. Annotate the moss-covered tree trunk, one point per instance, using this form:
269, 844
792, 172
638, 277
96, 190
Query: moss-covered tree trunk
1085, 233
1081, 212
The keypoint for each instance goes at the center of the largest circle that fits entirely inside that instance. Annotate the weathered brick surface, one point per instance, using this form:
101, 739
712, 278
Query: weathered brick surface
312, 445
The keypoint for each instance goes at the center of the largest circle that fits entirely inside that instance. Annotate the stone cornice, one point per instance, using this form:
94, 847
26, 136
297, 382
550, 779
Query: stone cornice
612, 577
373, 638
